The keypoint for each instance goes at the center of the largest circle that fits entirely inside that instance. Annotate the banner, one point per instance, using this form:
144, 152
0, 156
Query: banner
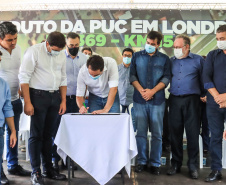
108, 32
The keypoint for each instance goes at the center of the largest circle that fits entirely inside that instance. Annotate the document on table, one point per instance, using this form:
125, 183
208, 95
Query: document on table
94, 114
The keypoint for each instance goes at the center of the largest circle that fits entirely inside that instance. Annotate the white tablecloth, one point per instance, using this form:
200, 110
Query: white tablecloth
101, 144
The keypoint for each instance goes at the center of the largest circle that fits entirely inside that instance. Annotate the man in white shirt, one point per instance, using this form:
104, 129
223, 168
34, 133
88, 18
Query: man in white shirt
44, 84
74, 61
9, 69
101, 77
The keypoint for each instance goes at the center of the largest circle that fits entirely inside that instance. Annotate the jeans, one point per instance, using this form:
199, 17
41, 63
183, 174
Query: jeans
216, 117
98, 103
46, 107
1, 147
71, 108
149, 116
12, 153
124, 108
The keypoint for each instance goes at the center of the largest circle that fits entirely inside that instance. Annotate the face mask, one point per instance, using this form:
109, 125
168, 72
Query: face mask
127, 60
87, 56
149, 48
54, 53
178, 53
94, 78
221, 44
73, 51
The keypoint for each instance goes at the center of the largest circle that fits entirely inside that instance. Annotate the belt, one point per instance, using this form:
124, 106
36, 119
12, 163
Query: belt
71, 97
184, 95
39, 90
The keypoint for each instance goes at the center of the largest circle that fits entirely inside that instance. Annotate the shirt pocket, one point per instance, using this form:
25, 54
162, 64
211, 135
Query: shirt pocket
158, 70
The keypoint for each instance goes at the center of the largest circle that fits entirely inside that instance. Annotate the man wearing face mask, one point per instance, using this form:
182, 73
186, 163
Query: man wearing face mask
87, 51
101, 77
185, 89
44, 84
214, 78
125, 89
149, 74
74, 61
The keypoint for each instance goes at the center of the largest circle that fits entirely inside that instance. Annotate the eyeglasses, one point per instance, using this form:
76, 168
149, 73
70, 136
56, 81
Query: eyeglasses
178, 47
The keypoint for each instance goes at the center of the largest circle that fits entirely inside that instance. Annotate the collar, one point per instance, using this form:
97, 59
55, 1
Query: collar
190, 55
220, 51
144, 52
45, 47
6, 50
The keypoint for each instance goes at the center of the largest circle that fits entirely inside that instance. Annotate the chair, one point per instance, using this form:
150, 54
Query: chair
25, 131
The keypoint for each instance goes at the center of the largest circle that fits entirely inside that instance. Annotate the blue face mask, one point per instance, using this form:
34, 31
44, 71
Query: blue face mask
127, 60
149, 48
54, 53
94, 78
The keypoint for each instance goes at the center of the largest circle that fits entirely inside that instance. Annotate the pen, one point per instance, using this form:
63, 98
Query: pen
85, 106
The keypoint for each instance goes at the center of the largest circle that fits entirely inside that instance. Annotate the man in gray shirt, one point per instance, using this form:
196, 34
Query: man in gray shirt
125, 89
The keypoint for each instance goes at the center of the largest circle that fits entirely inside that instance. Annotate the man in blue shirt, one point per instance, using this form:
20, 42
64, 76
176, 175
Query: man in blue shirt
6, 114
149, 74
185, 89
214, 78
125, 89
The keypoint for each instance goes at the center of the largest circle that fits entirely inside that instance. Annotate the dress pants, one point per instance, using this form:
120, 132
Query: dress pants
46, 107
184, 112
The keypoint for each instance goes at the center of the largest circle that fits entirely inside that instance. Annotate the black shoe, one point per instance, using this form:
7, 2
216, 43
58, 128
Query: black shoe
194, 174
173, 170
36, 179
139, 168
4, 179
52, 174
18, 170
155, 170
214, 175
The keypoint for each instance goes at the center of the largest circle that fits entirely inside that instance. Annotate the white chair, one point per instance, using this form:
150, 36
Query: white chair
224, 154
133, 161
25, 131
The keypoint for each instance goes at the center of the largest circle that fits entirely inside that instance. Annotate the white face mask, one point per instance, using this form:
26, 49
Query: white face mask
178, 53
221, 44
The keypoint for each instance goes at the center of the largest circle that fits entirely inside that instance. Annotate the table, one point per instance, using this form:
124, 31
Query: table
100, 144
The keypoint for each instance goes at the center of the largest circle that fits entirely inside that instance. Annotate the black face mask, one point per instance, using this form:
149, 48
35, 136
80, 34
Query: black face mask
73, 51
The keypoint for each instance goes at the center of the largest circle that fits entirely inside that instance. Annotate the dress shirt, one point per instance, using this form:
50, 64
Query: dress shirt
41, 70
9, 69
125, 89
6, 108
214, 73
72, 69
186, 75
102, 85
149, 71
